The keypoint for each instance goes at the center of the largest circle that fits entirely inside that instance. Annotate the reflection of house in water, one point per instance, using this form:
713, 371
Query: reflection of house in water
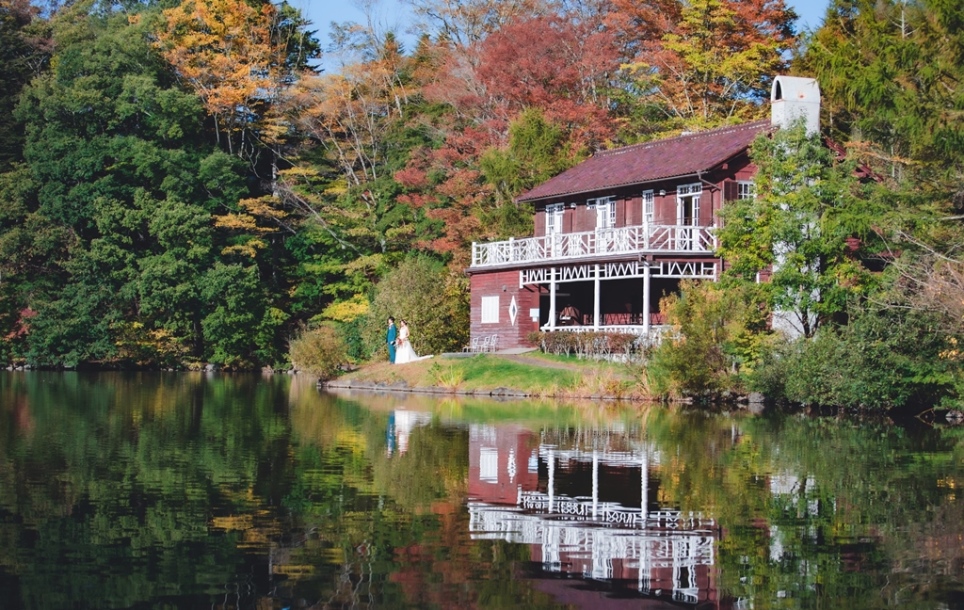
400, 426
585, 509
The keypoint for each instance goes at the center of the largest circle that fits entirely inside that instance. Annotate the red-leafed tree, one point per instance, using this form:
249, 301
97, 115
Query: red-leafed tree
560, 66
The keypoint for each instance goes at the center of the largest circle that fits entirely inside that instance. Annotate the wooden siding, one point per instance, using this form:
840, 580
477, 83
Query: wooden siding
505, 286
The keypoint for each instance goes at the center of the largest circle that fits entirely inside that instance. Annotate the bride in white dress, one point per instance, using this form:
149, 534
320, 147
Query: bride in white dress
403, 349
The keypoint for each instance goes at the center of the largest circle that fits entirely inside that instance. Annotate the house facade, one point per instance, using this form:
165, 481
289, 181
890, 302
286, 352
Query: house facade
619, 231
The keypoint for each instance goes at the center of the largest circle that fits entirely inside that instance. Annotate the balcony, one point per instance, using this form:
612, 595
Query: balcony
565, 247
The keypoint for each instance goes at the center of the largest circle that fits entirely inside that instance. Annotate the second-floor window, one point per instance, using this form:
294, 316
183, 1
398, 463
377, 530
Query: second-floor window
554, 213
688, 204
744, 190
605, 208
649, 207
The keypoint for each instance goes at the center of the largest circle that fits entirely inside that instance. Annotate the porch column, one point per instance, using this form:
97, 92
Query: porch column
595, 304
595, 484
552, 298
646, 298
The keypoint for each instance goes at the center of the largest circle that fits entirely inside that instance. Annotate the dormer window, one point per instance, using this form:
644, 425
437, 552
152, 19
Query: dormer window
605, 211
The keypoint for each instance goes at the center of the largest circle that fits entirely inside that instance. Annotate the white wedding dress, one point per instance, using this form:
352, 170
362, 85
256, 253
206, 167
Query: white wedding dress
404, 352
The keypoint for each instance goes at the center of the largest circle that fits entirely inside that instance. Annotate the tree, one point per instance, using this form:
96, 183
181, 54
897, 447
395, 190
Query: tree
124, 184
706, 61
466, 22
239, 58
431, 299
892, 80
21, 56
796, 229
719, 337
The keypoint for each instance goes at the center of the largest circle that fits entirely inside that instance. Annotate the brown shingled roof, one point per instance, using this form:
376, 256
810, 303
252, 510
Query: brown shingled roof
650, 161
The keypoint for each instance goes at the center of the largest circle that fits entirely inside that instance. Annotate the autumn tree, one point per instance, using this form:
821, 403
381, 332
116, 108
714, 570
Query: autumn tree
464, 23
239, 58
704, 62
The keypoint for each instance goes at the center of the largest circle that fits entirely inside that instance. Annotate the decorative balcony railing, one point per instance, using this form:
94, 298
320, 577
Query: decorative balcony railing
640, 239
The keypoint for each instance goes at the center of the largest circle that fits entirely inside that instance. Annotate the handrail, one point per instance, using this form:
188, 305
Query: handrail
657, 239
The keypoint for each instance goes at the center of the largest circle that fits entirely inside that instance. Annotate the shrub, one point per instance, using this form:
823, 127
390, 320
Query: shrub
883, 358
586, 344
320, 351
431, 299
720, 335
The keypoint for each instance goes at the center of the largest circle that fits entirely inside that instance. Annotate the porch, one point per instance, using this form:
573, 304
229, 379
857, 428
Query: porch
567, 247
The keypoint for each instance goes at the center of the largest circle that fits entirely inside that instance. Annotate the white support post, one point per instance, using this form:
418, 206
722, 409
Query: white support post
551, 458
646, 295
595, 484
595, 305
552, 298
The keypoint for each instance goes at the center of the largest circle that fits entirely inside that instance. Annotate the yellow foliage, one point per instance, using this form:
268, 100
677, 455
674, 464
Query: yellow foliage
249, 248
236, 222
224, 50
347, 311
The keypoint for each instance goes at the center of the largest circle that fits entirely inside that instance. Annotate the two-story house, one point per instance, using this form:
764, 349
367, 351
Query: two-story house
618, 231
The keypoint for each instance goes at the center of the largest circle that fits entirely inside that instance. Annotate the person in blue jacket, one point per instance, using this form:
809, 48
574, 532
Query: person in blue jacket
390, 337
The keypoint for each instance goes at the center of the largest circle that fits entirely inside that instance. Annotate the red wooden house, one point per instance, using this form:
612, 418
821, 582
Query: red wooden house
621, 229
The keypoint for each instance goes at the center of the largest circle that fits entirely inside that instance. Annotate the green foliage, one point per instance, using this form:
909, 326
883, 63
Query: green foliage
537, 151
320, 351
797, 227
238, 322
884, 358
891, 75
718, 336
431, 299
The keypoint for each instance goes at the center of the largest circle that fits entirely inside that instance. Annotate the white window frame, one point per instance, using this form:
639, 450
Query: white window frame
745, 189
683, 191
605, 211
490, 309
649, 207
554, 216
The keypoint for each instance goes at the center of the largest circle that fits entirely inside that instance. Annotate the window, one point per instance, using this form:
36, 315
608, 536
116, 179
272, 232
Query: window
490, 310
554, 213
649, 202
605, 211
688, 204
745, 190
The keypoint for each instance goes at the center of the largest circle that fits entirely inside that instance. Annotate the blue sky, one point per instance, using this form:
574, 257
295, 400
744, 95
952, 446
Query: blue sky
391, 14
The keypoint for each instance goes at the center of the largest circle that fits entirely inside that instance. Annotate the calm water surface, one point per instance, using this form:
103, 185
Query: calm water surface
195, 491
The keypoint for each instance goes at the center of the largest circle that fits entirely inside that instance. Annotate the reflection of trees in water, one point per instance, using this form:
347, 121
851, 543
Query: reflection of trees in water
215, 485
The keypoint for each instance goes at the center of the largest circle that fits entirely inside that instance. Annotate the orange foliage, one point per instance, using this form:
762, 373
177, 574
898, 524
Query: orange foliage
224, 50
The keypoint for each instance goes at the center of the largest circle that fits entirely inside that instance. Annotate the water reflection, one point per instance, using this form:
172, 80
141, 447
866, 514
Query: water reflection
601, 528
191, 491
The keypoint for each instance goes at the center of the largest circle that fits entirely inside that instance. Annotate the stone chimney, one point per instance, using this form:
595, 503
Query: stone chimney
792, 97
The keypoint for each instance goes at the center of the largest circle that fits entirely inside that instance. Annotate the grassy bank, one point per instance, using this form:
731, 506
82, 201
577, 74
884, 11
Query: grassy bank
536, 375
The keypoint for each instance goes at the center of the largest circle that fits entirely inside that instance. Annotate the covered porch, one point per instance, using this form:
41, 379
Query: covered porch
610, 297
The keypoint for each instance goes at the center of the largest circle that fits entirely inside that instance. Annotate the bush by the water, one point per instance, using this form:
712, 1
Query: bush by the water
884, 358
719, 335
321, 351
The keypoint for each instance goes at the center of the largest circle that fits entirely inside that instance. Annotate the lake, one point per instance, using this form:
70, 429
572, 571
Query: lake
194, 490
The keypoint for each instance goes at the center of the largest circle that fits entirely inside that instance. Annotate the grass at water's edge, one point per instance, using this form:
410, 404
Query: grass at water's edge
535, 375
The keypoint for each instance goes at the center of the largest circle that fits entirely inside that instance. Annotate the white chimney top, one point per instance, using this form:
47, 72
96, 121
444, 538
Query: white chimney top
792, 97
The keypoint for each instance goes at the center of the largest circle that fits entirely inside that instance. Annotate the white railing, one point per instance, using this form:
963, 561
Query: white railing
662, 239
